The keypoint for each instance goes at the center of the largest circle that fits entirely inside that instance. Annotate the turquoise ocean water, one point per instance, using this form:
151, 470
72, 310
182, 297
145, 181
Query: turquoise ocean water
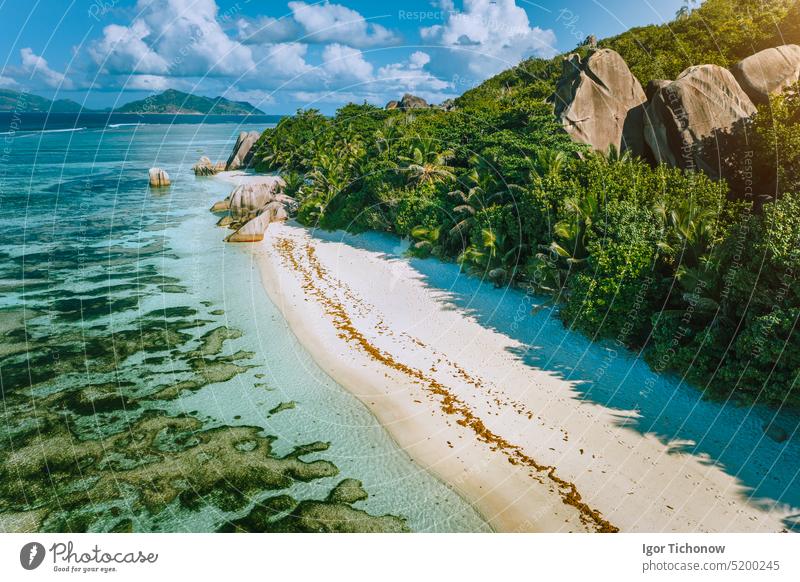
148, 383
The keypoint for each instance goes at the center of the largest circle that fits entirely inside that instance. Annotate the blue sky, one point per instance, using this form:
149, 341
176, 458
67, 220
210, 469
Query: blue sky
281, 55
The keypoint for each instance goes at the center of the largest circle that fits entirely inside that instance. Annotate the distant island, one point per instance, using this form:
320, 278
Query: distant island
177, 102
28, 103
169, 102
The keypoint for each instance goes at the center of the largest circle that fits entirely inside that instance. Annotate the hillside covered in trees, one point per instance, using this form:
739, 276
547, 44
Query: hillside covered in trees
667, 262
177, 102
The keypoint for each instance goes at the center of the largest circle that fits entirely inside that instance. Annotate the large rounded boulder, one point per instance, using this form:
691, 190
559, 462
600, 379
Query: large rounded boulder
248, 199
242, 154
253, 230
158, 178
408, 101
698, 121
599, 102
768, 72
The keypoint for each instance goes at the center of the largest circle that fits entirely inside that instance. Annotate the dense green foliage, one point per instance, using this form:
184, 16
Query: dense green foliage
653, 258
719, 32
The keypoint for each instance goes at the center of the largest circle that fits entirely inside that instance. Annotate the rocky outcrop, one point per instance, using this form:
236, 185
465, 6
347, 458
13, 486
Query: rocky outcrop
221, 206
768, 72
408, 101
225, 221
251, 208
698, 121
253, 230
205, 167
247, 200
242, 154
448, 105
158, 178
595, 98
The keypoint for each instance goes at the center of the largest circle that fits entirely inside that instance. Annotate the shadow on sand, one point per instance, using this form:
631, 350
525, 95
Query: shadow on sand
721, 434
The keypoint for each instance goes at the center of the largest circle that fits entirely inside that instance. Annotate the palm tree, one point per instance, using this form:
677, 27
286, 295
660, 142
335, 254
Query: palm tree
388, 136
426, 238
548, 162
581, 210
427, 165
497, 255
328, 178
688, 231
614, 155
483, 189
686, 10
293, 183
550, 269
689, 237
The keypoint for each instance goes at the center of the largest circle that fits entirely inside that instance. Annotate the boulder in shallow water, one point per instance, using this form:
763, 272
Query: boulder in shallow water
222, 205
247, 200
768, 72
699, 121
159, 178
225, 221
242, 154
205, 167
595, 98
254, 229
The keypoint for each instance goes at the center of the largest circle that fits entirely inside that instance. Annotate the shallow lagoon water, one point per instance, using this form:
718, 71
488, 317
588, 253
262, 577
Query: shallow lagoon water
148, 382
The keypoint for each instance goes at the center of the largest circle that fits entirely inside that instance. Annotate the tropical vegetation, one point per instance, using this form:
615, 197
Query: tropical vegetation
702, 282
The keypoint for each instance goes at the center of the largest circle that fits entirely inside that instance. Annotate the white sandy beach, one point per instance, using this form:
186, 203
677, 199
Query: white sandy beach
465, 398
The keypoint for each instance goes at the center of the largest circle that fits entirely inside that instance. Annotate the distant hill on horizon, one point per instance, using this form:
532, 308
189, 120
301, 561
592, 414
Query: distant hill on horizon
178, 102
28, 103
169, 102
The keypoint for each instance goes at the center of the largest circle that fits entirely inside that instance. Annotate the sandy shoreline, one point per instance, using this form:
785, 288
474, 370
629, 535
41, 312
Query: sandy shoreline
514, 439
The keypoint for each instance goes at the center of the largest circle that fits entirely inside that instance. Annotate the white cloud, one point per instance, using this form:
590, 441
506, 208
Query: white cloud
419, 59
336, 23
410, 77
345, 63
36, 67
123, 50
267, 30
190, 45
486, 37
281, 61
8, 82
175, 37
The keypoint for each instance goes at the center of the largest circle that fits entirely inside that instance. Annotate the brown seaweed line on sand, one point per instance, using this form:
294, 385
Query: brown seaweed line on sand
498, 397
450, 403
